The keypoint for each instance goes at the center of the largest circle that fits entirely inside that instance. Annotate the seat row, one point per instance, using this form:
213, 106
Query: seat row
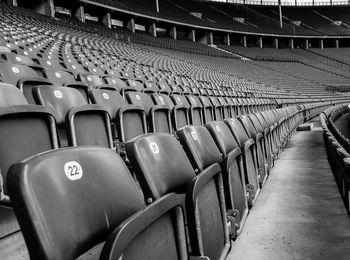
197, 185
338, 149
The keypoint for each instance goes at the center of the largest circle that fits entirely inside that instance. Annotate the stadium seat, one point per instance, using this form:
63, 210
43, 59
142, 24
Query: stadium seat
160, 172
179, 113
78, 122
248, 149
259, 145
25, 130
76, 214
232, 171
158, 116
200, 147
25, 78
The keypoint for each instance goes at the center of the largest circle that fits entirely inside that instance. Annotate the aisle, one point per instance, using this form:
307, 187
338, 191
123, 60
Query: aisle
299, 213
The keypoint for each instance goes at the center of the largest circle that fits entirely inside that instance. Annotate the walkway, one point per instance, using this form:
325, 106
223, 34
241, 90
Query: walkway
299, 213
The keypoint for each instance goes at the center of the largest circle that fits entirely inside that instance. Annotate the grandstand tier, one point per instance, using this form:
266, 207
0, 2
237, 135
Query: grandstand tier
120, 140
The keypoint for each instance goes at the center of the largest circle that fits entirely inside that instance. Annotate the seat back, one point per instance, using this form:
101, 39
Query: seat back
199, 147
69, 200
149, 155
108, 98
10, 96
59, 99
24, 131
161, 158
247, 146
232, 166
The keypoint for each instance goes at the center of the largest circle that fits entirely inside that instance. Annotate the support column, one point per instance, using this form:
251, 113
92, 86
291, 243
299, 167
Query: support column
260, 42
227, 39
80, 14
244, 41
291, 44
275, 43
306, 44
173, 33
51, 7
321, 44
210, 40
153, 29
131, 25
192, 35
337, 43
107, 20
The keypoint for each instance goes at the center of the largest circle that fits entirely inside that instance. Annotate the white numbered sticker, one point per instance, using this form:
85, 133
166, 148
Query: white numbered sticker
49, 63
114, 82
58, 94
194, 136
105, 96
73, 170
74, 67
18, 59
218, 129
58, 75
138, 97
15, 70
154, 148
89, 78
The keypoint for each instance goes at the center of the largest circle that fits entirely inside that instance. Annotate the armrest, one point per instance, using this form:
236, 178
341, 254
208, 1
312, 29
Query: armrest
127, 231
4, 199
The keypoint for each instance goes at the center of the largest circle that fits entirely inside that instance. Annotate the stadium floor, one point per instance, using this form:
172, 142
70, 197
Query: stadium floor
299, 213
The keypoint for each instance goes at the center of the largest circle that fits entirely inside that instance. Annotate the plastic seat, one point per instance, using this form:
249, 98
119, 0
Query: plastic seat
93, 81
247, 146
24, 131
76, 214
25, 78
179, 113
196, 110
162, 167
259, 145
158, 116
78, 123
11, 96
232, 170
199, 146
120, 85
218, 108
208, 109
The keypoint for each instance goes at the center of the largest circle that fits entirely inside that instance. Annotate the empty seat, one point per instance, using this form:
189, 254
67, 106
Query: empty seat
162, 167
90, 193
158, 116
78, 123
259, 145
23, 77
247, 146
11, 96
24, 131
200, 147
128, 121
179, 113
236, 194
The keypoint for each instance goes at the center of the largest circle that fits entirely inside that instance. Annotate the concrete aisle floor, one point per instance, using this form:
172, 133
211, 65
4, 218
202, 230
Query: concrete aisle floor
299, 213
